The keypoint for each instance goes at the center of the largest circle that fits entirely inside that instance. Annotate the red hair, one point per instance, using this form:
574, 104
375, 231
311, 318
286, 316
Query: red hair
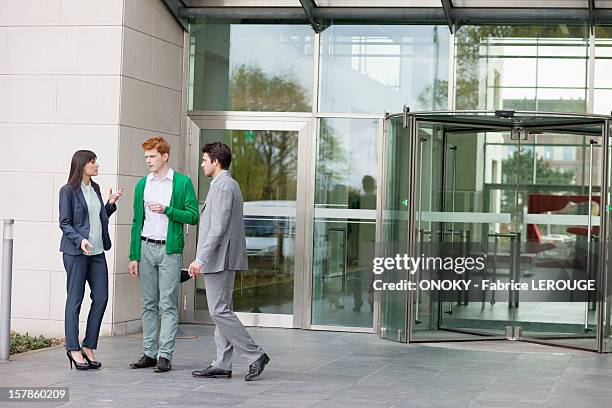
158, 143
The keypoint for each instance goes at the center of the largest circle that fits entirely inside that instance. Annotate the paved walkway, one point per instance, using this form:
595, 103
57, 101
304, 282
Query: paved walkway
328, 370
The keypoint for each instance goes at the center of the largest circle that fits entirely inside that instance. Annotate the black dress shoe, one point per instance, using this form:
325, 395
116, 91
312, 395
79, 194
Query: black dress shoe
257, 367
144, 362
91, 363
163, 365
212, 372
79, 366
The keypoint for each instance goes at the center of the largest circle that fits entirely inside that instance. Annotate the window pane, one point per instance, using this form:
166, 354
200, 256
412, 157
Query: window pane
251, 67
381, 68
345, 222
554, 72
603, 101
512, 71
513, 98
552, 167
548, 64
346, 163
603, 67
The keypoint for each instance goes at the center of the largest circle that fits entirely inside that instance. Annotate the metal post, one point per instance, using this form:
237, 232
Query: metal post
453, 148
5, 299
589, 226
412, 231
422, 141
602, 298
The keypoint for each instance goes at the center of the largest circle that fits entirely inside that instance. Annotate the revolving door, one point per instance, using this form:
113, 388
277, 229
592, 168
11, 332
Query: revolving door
525, 197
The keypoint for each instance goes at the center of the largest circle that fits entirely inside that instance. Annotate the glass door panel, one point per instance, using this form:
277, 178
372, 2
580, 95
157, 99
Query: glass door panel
265, 163
344, 229
460, 216
560, 209
605, 265
396, 206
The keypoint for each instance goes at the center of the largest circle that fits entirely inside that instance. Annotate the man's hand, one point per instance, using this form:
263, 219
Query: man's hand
86, 247
133, 268
156, 208
195, 268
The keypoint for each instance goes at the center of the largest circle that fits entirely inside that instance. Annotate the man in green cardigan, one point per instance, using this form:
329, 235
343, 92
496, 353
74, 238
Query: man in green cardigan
163, 201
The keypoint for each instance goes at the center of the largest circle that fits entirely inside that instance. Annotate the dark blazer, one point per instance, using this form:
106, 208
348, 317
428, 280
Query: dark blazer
74, 219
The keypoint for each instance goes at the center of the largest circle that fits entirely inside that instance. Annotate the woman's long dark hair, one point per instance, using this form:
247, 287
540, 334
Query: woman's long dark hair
79, 159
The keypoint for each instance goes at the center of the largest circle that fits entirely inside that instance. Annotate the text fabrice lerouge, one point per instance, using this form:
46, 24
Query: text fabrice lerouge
461, 265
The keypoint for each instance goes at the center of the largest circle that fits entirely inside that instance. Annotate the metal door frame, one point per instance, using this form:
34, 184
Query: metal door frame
301, 123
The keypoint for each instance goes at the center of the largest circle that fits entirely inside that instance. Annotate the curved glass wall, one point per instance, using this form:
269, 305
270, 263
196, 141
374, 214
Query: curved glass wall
527, 200
397, 201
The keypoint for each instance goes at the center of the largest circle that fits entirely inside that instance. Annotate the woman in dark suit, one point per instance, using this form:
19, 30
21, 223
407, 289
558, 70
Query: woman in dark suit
84, 223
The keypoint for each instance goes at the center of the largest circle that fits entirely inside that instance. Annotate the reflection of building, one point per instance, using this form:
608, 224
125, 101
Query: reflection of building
108, 76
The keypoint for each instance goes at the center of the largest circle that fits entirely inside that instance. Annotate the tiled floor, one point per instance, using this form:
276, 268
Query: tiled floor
327, 369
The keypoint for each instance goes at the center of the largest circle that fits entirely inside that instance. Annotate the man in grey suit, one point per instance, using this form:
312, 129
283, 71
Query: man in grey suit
221, 252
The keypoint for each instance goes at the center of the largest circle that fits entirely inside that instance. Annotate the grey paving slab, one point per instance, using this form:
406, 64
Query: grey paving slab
328, 370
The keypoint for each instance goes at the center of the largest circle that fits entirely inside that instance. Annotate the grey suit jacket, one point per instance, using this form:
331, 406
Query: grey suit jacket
221, 241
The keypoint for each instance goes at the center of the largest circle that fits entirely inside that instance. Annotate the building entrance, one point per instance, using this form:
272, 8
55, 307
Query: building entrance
267, 161
509, 209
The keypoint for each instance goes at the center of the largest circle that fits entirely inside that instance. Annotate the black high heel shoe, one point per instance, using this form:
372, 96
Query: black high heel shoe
91, 363
79, 366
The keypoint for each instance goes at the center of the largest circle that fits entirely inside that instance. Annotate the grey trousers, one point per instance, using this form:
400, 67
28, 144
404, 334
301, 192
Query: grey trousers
159, 275
230, 334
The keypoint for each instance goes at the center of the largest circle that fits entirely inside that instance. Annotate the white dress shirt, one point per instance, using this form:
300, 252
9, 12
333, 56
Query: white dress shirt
95, 224
157, 191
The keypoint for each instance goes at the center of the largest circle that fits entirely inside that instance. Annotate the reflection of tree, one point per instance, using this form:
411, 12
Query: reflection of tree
265, 164
469, 41
434, 96
251, 89
331, 163
266, 160
518, 169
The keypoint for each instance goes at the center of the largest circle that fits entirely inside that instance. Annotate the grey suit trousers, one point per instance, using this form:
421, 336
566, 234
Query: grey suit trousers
230, 334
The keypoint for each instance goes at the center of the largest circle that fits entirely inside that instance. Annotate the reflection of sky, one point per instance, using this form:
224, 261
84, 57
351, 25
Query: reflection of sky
358, 138
281, 50
388, 66
533, 68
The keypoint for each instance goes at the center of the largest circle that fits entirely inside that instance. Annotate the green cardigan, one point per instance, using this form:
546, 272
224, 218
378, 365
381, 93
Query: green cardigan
183, 209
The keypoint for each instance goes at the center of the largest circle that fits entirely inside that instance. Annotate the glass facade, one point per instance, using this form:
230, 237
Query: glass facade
603, 67
358, 73
522, 68
392, 65
250, 67
509, 197
397, 202
345, 222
